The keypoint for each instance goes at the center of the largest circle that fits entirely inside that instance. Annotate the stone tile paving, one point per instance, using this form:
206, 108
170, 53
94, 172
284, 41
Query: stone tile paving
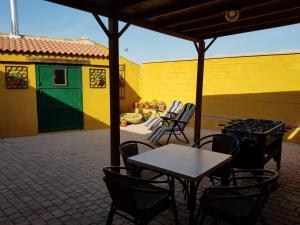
56, 178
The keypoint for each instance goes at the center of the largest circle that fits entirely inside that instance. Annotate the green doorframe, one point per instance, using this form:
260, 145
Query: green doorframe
59, 104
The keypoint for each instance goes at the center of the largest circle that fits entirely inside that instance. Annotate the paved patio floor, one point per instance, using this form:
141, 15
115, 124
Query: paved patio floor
56, 178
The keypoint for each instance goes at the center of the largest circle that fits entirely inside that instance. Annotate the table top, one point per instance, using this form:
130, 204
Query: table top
181, 161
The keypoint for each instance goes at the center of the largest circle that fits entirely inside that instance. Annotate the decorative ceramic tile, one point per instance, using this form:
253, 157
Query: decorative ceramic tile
97, 78
16, 77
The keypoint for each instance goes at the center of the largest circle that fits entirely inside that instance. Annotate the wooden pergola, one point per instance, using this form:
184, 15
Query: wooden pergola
194, 20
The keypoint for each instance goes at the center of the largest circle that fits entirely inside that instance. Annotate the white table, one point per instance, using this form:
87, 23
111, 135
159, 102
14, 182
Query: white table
184, 162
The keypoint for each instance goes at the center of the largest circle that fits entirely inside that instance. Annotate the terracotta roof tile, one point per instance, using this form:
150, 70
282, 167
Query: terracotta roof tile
27, 44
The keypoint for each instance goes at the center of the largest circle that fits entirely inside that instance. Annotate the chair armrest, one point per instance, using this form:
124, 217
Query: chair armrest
148, 180
153, 177
165, 118
151, 189
171, 115
178, 121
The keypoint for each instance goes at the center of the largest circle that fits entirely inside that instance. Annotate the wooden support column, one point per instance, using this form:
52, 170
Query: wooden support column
199, 89
114, 91
113, 35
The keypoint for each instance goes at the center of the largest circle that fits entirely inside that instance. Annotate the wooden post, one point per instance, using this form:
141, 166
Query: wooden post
199, 90
114, 91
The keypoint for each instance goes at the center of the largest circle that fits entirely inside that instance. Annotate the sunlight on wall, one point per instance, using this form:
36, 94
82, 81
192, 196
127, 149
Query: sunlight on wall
18, 109
18, 106
293, 133
95, 102
266, 87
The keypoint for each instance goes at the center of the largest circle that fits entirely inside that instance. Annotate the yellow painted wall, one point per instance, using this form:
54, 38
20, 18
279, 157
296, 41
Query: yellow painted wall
238, 87
18, 112
132, 78
95, 102
18, 109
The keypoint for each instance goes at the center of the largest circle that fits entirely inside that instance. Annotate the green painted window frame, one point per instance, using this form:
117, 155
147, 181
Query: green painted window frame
65, 75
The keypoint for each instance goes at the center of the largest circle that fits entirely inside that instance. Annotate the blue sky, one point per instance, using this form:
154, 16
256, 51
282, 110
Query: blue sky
41, 18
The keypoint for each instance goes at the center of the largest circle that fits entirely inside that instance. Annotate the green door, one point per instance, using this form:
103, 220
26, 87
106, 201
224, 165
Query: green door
59, 97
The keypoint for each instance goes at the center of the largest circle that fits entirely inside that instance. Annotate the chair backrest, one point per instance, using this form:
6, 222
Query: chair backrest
132, 194
120, 189
131, 148
219, 143
173, 108
185, 114
170, 112
252, 184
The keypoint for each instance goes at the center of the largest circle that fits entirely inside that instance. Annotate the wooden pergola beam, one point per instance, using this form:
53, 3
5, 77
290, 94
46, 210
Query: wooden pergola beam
174, 8
217, 8
200, 47
258, 26
114, 90
120, 4
256, 11
193, 20
93, 8
267, 16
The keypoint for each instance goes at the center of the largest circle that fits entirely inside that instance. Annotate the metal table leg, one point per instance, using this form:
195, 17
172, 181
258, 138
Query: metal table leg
192, 198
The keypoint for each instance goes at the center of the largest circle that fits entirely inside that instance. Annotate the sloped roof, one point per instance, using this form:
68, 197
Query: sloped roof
42, 45
195, 19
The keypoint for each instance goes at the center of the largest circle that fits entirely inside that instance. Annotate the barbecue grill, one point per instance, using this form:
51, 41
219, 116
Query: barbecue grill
260, 140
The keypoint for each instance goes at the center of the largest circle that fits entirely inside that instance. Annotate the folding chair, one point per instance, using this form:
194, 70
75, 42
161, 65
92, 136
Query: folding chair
170, 113
176, 127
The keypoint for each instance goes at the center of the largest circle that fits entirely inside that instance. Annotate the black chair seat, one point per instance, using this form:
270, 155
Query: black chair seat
136, 199
242, 201
147, 200
152, 204
238, 208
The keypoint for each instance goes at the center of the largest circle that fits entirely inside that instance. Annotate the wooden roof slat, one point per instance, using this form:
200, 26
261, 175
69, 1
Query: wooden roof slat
119, 4
174, 7
257, 26
212, 9
251, 11
92, 7
249, 19
193, 19
141, 6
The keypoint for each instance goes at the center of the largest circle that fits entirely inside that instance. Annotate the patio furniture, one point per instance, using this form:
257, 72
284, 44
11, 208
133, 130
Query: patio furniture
171, 112
260, 141
241, 203
182, 163
131, 148
138, 200
224, 144
177, 126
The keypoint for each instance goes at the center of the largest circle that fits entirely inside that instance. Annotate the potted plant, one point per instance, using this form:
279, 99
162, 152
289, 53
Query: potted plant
15, 77
153, 104
147, 105
147, 115
136, 105
123, 122
161, 106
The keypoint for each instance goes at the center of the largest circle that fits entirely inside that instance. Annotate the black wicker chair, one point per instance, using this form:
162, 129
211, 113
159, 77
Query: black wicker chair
138, 200
131, 148
240, 203
224, 144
